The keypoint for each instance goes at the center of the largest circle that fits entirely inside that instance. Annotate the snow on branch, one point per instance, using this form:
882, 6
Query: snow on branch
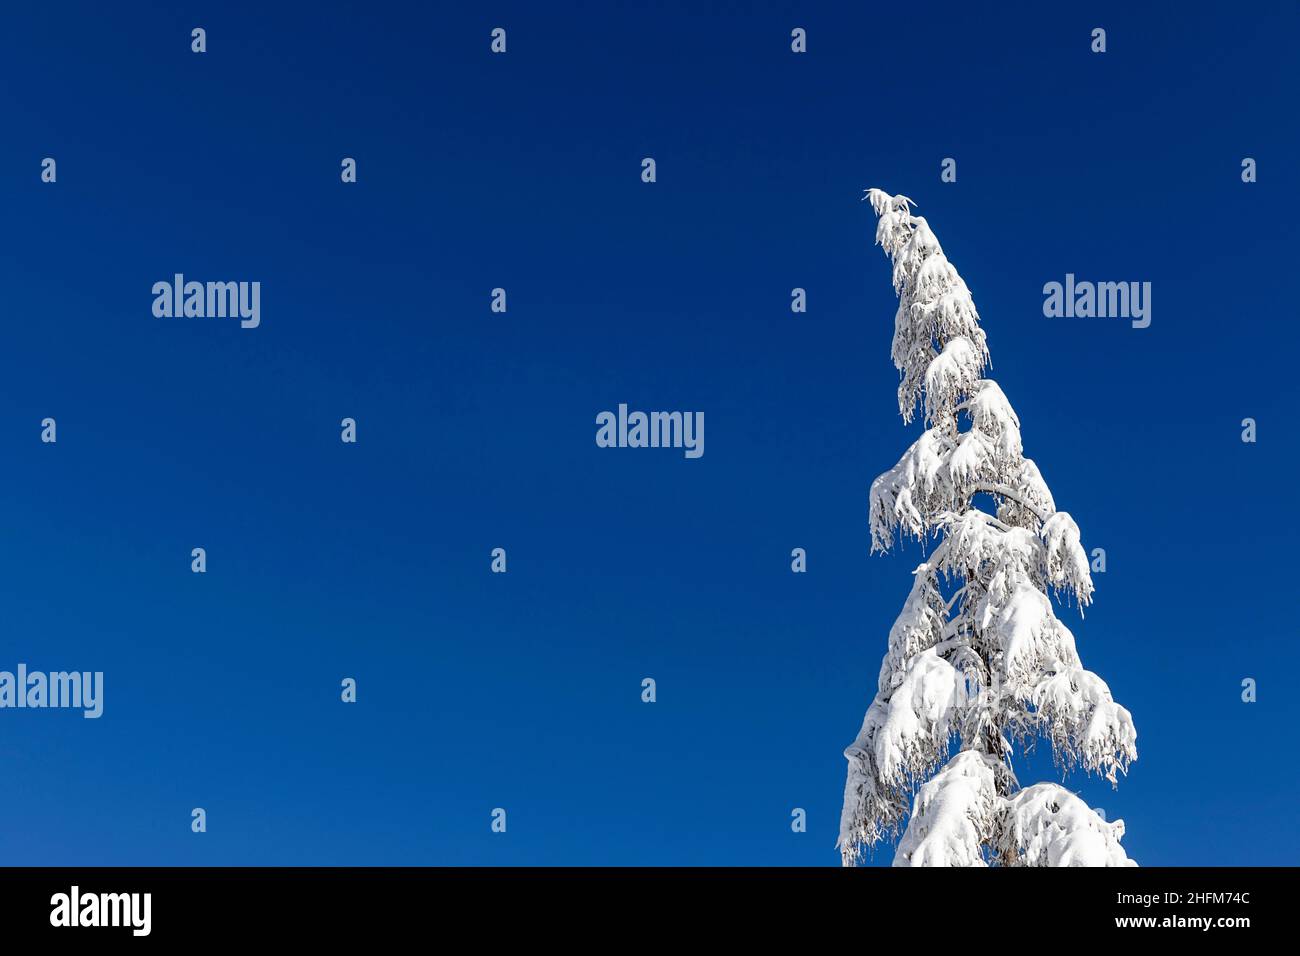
934, 309
918, 627
950, 377
1046, 825
955, 814
904, 736
1029, 641
1085, 725
1065, 561
907, 498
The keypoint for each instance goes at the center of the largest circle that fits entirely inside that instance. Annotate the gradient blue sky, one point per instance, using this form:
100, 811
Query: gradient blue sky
477, 430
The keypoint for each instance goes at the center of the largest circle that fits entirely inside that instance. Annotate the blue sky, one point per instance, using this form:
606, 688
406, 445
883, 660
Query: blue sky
476, 430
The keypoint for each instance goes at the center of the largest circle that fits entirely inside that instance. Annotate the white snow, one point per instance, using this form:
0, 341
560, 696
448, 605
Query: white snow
955, 814
1046, 825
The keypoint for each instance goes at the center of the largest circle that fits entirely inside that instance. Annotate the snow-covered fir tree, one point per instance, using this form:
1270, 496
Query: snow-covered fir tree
977, 659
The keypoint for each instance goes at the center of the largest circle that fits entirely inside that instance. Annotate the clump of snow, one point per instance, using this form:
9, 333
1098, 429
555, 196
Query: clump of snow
1065, 561
956, 813
1084, 723
918, 627
1046, 825
1030, 639
991, 414
951, 376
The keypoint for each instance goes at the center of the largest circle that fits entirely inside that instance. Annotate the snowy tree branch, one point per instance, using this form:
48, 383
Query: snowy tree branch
1004, 669
1006, 491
